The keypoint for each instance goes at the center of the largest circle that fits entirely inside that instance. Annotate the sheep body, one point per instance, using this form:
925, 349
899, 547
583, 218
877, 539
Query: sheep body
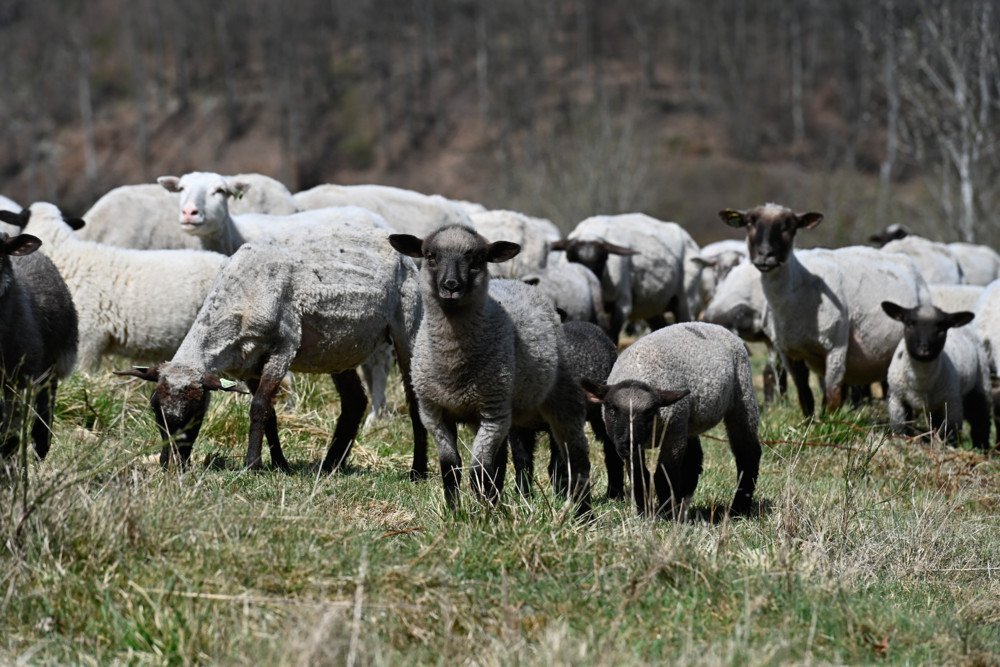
136, 303
980, 264
574, 289
935, 261
265, 195
143, 217
955, 297
533, 235
316, 304
665, 390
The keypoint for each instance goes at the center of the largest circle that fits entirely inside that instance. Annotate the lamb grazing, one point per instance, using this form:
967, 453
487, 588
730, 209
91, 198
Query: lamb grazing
668, 388
142, 216
573, 289
980, 264
490, 353
406, 211
646, 267
534, 235
936, 262
825, 305
316, 304
38, 337
204, 212
943, 374
591, 355
262, 194
136, 303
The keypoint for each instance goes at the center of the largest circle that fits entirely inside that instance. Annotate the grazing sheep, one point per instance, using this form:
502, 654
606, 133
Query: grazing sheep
646, 267
955, 297
825, 305
490, 353
316, 304
136, 303
406, 211
980, 264
591, 355
38, 337
945, 374
665, 390
573, 289
936, 262
534, 235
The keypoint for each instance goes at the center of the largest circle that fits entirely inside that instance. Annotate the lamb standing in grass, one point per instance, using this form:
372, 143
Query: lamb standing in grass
314, 305
490, 353
38, 337
665, 390
136, 303
939, 372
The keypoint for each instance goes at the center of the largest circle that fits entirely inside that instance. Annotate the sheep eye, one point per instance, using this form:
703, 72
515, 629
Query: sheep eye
431, 259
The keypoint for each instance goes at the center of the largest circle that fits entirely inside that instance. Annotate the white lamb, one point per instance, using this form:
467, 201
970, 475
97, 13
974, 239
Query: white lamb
406, 211
136, 303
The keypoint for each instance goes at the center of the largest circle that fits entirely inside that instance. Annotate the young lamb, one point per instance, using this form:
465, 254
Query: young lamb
38, 337
943, 374
204, 212
646, 267
573, 289
591, 355
936, 262
315, 304
534, 235
825, 305
136, 303
490, 353
665, 390
406, 211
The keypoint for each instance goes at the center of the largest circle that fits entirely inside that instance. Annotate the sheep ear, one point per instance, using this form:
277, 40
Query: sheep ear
876, 238
151, 373
22, 244
618, 250
595, 393
409, 245
561, 244
215, 383
665, 397
809, 220
733, 218
16, 219
893, 310
501, 251
236, 189
959, 319
170, 183
703, 262
76, 224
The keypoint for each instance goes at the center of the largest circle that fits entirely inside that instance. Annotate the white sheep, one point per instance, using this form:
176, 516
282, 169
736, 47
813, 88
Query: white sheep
665, 390
939, 372
980, 264
573, 289
646, 267
826, 305
956, 297
262, 194
490, 353
38, 337
316, 303
136, 303
936, 262
142, 216
406, 211
718, 259
534, 235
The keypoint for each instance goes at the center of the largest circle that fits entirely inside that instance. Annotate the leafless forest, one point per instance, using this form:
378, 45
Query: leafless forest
873, 111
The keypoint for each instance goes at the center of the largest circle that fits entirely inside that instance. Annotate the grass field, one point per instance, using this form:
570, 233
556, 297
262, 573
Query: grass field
863, 548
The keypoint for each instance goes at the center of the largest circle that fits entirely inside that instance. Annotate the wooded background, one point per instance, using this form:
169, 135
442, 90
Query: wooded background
871, 111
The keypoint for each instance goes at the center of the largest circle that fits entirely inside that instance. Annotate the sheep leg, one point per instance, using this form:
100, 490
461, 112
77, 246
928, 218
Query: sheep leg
800, 378
446, 436
45, 400
419, 468
566, 415
836, 364
264, 421
745, 446
557, 466
659, 321
612, 461
617, 319
485, 472
376, 370
676, 480
522, 451
352, 410
900, 416
976, 407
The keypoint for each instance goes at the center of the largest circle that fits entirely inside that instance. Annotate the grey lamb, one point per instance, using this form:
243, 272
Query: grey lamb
943, 373
490, 353
318, 303
666, 389
38, 337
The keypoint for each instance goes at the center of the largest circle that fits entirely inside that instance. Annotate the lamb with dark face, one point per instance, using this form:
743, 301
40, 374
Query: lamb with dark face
665, 390
940, 368
490, 353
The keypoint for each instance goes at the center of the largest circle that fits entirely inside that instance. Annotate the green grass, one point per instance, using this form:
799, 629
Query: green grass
864, 548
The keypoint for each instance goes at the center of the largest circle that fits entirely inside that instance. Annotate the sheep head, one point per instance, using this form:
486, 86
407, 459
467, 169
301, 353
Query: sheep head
630, 408
925, 328
770, 232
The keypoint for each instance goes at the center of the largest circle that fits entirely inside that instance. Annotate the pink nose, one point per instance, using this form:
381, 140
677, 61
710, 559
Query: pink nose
189, 213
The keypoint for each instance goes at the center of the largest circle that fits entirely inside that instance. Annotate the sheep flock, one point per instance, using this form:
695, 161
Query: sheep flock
230, 283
